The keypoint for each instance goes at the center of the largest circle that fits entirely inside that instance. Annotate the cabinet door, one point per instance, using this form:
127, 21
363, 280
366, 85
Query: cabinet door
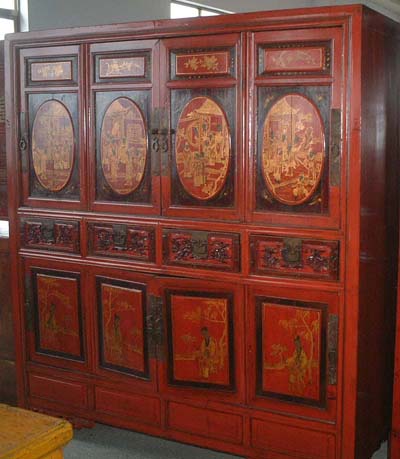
51, 114
55, 314
124, 171
202, 344
296, 155
292, 348
123, 349
201, 148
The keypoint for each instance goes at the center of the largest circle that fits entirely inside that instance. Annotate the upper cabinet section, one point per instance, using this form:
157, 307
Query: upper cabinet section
123, 158
201, 153
51, 127
296, 108
189, 128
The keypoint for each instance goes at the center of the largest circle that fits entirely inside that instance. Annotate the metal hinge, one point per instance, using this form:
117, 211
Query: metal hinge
160, 141
154, 326
29, 312
333, 335
23, 142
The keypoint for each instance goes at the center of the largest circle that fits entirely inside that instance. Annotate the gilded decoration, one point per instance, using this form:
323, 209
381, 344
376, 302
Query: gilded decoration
53, 145
58, 310
291, 344
51, 71
123, 341
123, 146
122, 67
200, 339
292, 149
202, 148
300, 59
215, 63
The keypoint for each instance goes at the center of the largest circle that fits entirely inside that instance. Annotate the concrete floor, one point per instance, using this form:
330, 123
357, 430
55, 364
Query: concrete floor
104, 442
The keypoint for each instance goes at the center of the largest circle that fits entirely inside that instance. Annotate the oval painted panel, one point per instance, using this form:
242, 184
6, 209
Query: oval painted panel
53, 145
202, 148
293, 149
123, 146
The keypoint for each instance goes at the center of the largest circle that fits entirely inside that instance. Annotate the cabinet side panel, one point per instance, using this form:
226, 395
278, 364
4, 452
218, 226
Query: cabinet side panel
379, 217
3, 166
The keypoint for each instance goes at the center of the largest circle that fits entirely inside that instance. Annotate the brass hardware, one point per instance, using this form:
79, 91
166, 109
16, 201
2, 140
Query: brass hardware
335, 147
23, 144
200, 244
154, 327
333, 334
292, 252
119, 236
160, 141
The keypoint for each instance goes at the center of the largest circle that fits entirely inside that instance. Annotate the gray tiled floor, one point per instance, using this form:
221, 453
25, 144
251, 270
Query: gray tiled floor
103, 442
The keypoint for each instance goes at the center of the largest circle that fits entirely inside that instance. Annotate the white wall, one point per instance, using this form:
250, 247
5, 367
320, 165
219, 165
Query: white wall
49, 14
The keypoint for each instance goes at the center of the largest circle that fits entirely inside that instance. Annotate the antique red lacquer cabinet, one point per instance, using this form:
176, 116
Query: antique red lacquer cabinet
203, 227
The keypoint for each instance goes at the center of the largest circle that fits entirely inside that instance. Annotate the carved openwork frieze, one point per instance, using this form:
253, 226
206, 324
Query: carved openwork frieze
282, 256
202, 249
50, 234
120, 240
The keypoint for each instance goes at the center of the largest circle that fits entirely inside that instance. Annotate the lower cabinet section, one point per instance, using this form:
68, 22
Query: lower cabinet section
139, 407
205, 422
233, 367
73, 394
293, 441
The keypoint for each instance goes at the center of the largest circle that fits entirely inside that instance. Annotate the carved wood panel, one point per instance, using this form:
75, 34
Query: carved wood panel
202, 249
136, 242
288, 256
50, 234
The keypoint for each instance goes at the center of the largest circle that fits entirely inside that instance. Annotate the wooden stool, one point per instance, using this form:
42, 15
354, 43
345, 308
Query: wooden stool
29, 435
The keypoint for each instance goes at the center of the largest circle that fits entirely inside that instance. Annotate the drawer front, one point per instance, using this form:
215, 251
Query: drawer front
135, 242
205, 422
293, 441
132, 406
50, 234
284, 256
202, 249
56, 390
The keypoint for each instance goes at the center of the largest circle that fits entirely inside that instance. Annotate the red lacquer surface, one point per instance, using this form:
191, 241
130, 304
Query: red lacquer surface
122, 316
216, 63
291, 350
58, 311
200, 339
